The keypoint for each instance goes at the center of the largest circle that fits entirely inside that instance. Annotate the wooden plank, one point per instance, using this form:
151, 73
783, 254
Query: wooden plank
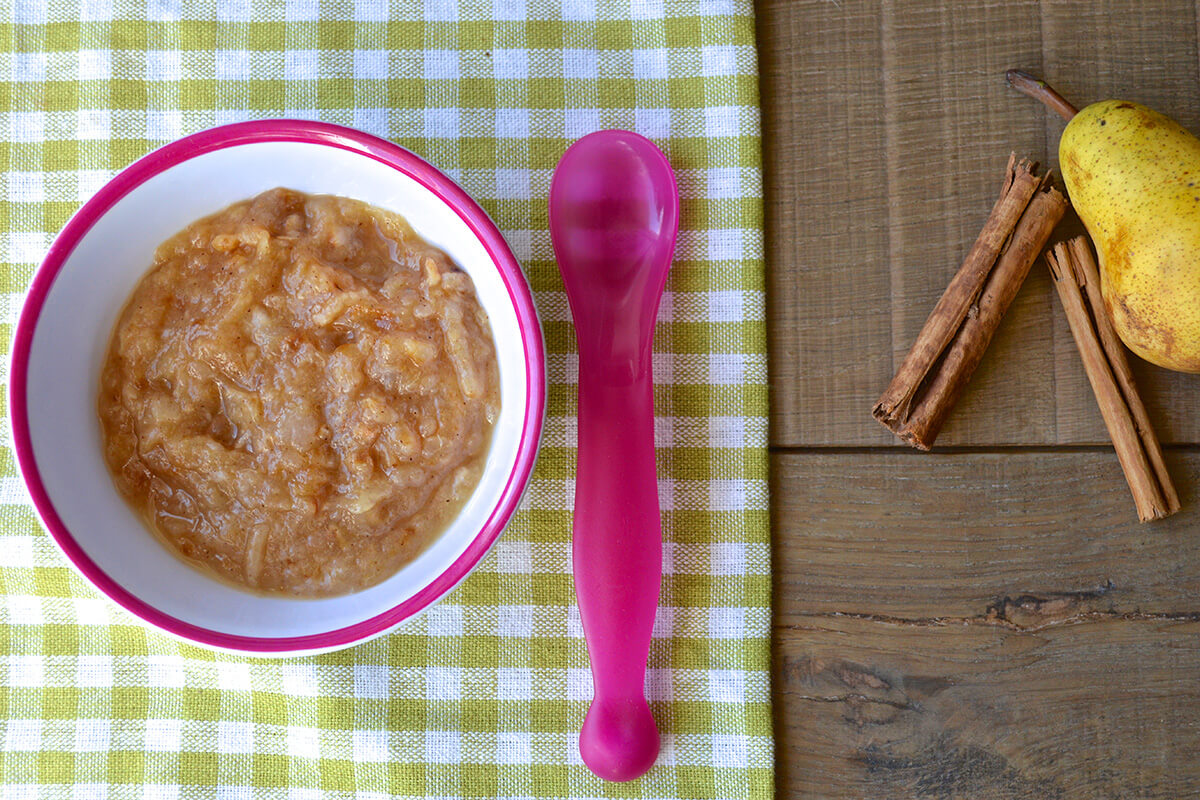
899, 534
886, 125
951, 126
826, 211
884, 155
1108, 707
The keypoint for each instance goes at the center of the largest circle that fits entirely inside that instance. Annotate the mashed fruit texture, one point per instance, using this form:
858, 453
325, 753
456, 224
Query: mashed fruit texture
299, 394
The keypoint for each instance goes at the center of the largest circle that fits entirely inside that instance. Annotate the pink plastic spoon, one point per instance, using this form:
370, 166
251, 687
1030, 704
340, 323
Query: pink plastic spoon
614, 216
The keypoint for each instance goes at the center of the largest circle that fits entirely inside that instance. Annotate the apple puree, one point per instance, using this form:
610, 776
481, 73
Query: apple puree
300, 393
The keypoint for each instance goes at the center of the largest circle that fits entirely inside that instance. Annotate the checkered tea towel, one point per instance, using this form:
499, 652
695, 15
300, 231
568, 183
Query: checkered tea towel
484, 695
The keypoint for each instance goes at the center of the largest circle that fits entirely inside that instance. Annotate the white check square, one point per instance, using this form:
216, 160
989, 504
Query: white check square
441, 64
164, 125
441, 123
650, 64
370, 745
163, 735
443, 683
508, 10
514, 683
301, 680
513, 748
726, 686
95, 65
234, 11
371, 64
371, 10
646, 9
730, 752
725, 244
719, 60
581, 64
372, 120
26, 671
445, 620
443, 747
94, 671
165, 672
92, 735
725, 306
29, 66
22, 735
235, 736
303, 742
512, 123
232, 65
371, 681
579, 10
302, 11
510, 64
301, 65
512, 184
163, 10
514, 622
726, 623
722, 121
93, 124
163, 65
89, 10
579, 122
441, 10
26, 187
653, 123
27, 126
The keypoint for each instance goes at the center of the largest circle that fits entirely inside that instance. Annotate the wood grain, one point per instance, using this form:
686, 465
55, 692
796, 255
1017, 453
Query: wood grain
958, 536
1100, 708
826, 185
887, 126
983, 625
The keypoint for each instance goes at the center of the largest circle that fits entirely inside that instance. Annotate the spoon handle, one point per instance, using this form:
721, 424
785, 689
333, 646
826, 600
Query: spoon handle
617, 556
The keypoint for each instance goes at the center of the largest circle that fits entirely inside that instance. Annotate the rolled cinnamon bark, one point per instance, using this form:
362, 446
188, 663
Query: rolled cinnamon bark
1073, 269
950, 346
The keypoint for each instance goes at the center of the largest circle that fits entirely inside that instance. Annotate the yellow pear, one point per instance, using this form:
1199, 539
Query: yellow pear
1134, 179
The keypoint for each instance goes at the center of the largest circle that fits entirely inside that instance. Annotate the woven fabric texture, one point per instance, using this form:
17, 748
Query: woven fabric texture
484, 695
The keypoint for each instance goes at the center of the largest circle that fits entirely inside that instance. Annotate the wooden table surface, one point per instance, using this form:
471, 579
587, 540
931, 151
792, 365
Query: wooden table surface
988, 620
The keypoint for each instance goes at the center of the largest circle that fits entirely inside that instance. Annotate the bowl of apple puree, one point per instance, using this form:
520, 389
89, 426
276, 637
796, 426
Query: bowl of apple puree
299, 395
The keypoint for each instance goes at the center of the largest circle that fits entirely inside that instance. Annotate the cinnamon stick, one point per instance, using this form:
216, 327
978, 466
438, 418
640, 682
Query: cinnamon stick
1077, 280
958, 331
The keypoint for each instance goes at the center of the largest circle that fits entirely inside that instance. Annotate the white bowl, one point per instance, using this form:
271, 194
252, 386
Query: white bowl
83, 284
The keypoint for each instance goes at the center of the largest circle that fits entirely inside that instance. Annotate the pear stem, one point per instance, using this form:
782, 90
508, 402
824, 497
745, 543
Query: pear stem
1038, 89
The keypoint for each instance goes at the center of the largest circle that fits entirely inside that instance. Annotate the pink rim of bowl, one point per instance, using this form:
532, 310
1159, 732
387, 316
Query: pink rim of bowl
283, 130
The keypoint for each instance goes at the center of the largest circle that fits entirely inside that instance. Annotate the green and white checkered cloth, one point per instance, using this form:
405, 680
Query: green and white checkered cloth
484, 695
